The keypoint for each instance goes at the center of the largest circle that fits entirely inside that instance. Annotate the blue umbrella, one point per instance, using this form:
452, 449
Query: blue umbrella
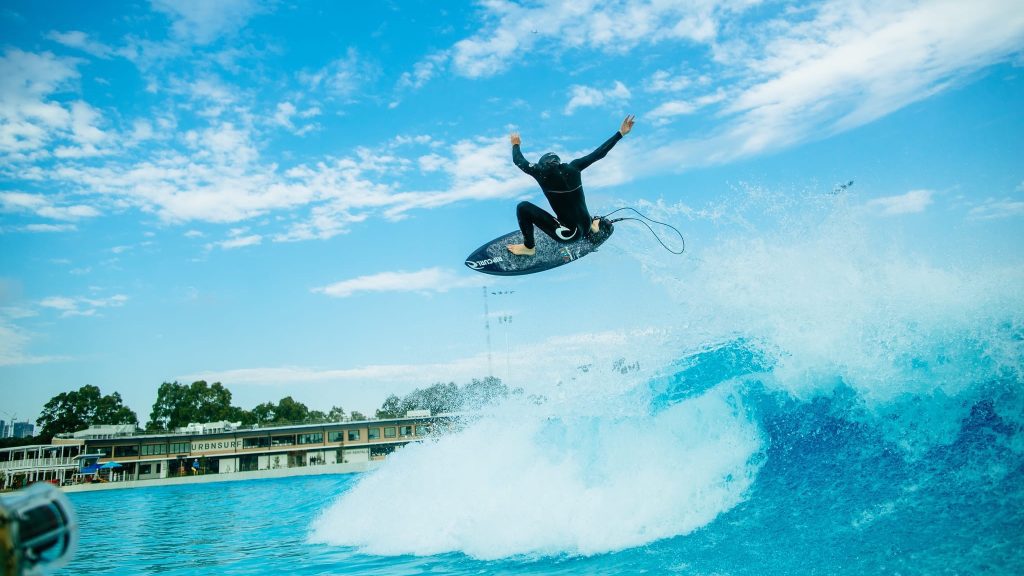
111, 465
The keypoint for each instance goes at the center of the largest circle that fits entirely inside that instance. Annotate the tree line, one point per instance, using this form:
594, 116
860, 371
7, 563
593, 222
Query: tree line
178, 405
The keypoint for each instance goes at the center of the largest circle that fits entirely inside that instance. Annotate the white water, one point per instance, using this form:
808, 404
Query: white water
522, 481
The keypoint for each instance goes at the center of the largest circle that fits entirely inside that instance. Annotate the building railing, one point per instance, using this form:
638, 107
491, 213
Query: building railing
39, 463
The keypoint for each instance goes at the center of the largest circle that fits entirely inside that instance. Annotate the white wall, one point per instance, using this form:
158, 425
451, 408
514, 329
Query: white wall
228, 465
353, 455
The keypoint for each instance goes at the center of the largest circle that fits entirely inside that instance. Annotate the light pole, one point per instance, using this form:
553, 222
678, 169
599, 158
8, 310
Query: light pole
506, 321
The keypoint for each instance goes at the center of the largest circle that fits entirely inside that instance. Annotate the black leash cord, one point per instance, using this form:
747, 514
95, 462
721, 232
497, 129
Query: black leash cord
658, 238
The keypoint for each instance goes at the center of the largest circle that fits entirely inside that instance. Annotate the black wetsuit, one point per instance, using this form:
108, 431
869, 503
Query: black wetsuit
563, 187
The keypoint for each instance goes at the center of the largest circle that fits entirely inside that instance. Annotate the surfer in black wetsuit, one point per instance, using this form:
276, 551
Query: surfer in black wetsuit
563, 187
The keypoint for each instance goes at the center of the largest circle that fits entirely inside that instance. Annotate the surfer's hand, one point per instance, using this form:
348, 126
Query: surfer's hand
515, 139
627, 124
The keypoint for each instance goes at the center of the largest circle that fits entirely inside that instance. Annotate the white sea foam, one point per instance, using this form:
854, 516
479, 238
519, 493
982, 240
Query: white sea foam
834, 295
524, 481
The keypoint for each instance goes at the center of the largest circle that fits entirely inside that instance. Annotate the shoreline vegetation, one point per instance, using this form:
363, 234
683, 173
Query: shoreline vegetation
178, 405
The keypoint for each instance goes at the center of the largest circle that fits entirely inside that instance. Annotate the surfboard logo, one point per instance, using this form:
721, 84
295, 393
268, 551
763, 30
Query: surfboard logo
561, 230
478, 264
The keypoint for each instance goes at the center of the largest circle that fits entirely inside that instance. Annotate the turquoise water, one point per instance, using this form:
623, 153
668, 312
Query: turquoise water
827, 405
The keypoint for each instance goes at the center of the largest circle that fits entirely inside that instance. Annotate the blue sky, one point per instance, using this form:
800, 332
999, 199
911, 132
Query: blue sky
279, 195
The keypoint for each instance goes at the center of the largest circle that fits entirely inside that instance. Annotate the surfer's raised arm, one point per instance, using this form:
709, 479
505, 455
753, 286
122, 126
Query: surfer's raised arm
517, 155
604, 149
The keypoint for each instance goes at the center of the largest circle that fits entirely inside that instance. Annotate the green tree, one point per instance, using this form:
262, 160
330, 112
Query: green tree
263, 413
77, 410
290, 410
357, 416
178, 405
337, 414
287, 410
392, 408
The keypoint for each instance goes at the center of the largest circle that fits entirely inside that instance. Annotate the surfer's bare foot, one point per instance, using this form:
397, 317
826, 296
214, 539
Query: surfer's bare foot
595, 226
521, 250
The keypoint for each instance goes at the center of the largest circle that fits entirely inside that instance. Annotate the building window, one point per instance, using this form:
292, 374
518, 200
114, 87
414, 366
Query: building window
282, 440
248, 463
353, 435
314, 438
256, 442
145, 469
106, 451
389, 431
180, 448
336, 436
422, 430
151, 449
373, 434
405, 431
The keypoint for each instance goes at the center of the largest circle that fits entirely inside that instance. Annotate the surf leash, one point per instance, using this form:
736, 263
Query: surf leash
652, 221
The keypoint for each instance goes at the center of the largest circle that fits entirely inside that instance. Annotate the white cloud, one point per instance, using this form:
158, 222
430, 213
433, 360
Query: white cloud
839, 66
427, 280
286, 112
672, 108
909, 203
849, 66
48, 228
203, 22
993, 209
664, 81
81, 41
283, 115
587, 97
82, 306
424, 71
608, 25
44, 206
239, 239
13, 347
28, 118
212, 93
142, 130
345, 77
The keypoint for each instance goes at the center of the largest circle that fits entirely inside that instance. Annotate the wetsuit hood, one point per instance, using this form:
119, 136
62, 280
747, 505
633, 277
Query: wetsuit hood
549, 160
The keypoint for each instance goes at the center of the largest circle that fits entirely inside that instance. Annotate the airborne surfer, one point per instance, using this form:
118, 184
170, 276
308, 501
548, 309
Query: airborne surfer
562, 185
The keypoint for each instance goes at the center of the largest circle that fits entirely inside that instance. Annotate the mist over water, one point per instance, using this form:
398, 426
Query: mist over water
829, 380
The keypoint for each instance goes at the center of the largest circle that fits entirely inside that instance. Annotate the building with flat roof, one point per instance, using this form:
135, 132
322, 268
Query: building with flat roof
113, 454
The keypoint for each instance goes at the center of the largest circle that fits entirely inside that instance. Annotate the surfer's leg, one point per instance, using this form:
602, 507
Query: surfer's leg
530, 215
